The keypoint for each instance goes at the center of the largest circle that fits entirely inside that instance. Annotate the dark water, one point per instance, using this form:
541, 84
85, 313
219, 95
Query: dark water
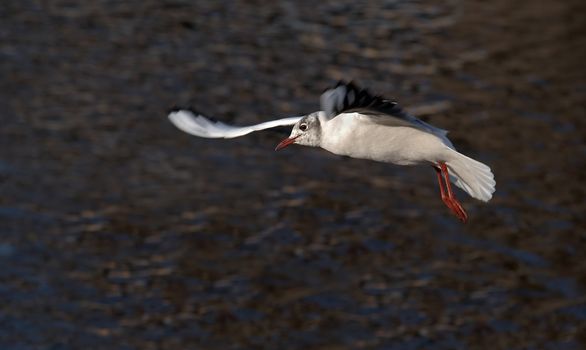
119, 231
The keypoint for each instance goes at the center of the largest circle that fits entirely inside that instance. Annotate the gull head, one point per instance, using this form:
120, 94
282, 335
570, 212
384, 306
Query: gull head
306, 132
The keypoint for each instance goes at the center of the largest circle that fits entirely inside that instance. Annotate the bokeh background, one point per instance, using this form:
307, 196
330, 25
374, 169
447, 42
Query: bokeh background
119, 231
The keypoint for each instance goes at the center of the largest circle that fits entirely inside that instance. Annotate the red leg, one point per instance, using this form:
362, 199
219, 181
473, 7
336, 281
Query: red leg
440, 182
454, 205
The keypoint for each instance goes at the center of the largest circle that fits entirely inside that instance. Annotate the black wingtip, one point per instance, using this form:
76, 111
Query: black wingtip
365, 99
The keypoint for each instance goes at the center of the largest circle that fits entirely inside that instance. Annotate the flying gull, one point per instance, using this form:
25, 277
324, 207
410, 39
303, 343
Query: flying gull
355, 123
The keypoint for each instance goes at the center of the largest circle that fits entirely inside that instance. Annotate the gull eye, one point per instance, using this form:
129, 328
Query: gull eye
303, 127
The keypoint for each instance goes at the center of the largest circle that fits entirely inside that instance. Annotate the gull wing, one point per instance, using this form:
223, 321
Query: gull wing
196, 124
348, 98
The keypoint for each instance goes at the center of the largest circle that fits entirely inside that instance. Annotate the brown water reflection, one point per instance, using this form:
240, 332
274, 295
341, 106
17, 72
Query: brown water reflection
118, 231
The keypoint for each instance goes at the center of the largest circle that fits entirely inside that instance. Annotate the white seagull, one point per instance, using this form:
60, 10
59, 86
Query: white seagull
357, 124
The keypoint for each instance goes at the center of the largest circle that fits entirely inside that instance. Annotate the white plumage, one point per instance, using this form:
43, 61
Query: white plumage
198, 125
355, 123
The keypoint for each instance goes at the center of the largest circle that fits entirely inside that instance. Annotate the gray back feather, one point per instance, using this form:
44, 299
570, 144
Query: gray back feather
349, 98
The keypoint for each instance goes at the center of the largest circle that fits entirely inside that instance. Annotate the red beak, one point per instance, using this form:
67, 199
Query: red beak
286, 142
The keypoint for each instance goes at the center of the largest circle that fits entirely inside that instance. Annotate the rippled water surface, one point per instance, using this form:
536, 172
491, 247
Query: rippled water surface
119, 231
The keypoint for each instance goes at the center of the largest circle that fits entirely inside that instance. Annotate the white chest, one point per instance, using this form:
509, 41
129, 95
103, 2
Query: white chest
391, 144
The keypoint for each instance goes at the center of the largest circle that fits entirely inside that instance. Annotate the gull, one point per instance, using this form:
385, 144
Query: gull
355, 123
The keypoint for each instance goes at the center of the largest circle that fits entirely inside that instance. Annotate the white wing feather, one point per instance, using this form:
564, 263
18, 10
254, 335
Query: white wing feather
198, 125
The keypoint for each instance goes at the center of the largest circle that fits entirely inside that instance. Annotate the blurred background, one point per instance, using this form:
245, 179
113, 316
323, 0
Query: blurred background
119, 231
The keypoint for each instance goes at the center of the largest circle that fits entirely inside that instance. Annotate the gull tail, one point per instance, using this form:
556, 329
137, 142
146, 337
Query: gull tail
472, 176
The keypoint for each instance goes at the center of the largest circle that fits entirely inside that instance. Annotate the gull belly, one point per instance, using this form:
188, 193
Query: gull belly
400, 145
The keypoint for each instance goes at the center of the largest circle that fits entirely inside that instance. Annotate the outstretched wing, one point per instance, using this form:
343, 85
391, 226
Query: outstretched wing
196, 124
348, 98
